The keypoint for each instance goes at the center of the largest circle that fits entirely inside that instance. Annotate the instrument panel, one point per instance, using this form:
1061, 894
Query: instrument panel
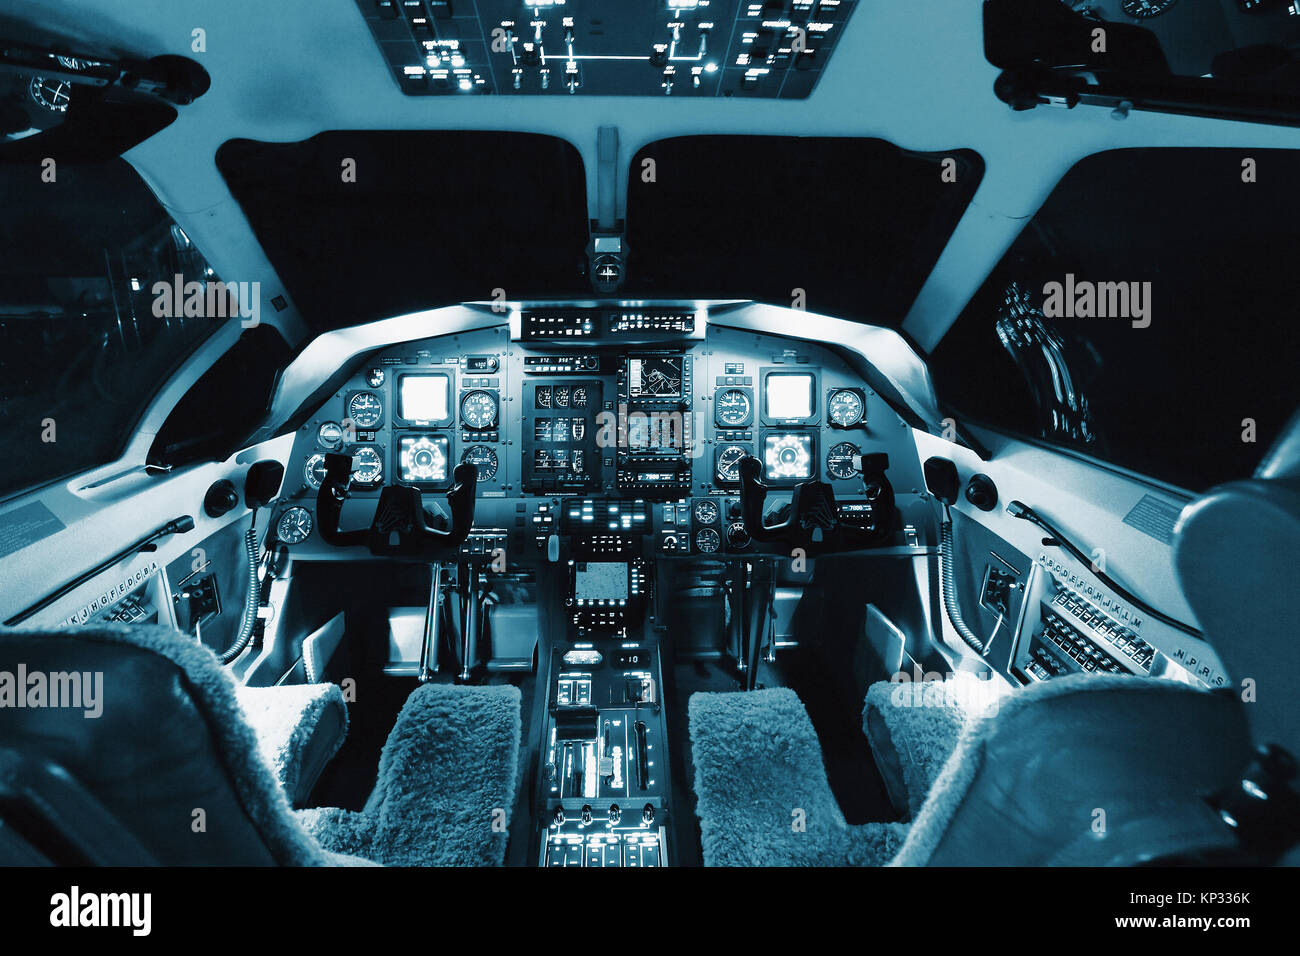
772, 49
649, 410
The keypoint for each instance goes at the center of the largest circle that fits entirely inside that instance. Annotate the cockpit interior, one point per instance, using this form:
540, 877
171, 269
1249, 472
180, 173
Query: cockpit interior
673, 433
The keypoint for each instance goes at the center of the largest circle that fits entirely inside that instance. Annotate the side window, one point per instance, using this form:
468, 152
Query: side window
1144, 316
86, 338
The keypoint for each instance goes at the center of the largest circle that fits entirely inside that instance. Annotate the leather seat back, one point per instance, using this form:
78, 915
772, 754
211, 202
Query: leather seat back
1236, 553
157, 738
1085, 770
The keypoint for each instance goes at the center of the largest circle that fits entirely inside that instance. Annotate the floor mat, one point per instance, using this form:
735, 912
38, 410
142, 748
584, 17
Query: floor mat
446, 783
762, 796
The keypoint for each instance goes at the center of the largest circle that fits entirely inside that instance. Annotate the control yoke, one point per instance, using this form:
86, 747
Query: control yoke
401, 527
812, 506
814, 521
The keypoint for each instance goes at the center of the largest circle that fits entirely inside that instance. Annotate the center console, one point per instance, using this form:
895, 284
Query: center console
603, 783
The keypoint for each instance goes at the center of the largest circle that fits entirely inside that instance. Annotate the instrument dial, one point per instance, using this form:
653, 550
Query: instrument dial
578, 399
845, 407
706, 511
727, 468
367, 466
52, 95
294, 526
842, 460
484, 459
707, 540
330, 435
733, 408
375, 377
365, 409
314, 471
479, 409
737, 536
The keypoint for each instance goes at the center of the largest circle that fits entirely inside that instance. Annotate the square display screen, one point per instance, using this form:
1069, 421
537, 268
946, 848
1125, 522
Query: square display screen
423, 459
789, 395
424, 398
788, 456
658, 377
600, 581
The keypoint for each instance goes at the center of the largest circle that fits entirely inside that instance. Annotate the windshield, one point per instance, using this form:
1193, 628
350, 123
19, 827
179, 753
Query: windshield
84, 346
844, 227
366, 225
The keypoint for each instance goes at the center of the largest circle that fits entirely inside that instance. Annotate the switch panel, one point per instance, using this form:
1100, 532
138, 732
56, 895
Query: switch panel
770, 49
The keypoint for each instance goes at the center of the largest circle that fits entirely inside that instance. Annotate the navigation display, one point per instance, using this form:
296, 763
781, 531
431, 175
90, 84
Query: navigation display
659, 377
423, 459
788, 456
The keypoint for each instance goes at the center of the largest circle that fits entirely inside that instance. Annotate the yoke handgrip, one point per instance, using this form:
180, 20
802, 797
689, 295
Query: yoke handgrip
753, 495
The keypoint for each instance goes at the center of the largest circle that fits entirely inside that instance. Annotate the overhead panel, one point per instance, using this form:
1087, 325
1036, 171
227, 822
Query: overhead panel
773, 49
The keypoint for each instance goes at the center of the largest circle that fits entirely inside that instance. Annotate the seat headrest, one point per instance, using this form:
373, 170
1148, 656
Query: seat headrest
1235, 551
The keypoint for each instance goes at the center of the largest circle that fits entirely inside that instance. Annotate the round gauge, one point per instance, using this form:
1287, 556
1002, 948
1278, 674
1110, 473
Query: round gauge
579, 397
706, 511
53, 95
314, 471
365, 409
561, 395
733, 408
842, 460
329, 435
727, 467
367, 466
1146, 9
478, 409
737, 536
484, 459
375, 377
845, 407
294, 526
707, 540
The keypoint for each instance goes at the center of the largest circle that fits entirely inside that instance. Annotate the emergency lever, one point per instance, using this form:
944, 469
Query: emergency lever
401, 527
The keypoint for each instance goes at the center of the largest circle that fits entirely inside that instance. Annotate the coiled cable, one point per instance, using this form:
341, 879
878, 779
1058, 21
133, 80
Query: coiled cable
948, 586
251, 597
